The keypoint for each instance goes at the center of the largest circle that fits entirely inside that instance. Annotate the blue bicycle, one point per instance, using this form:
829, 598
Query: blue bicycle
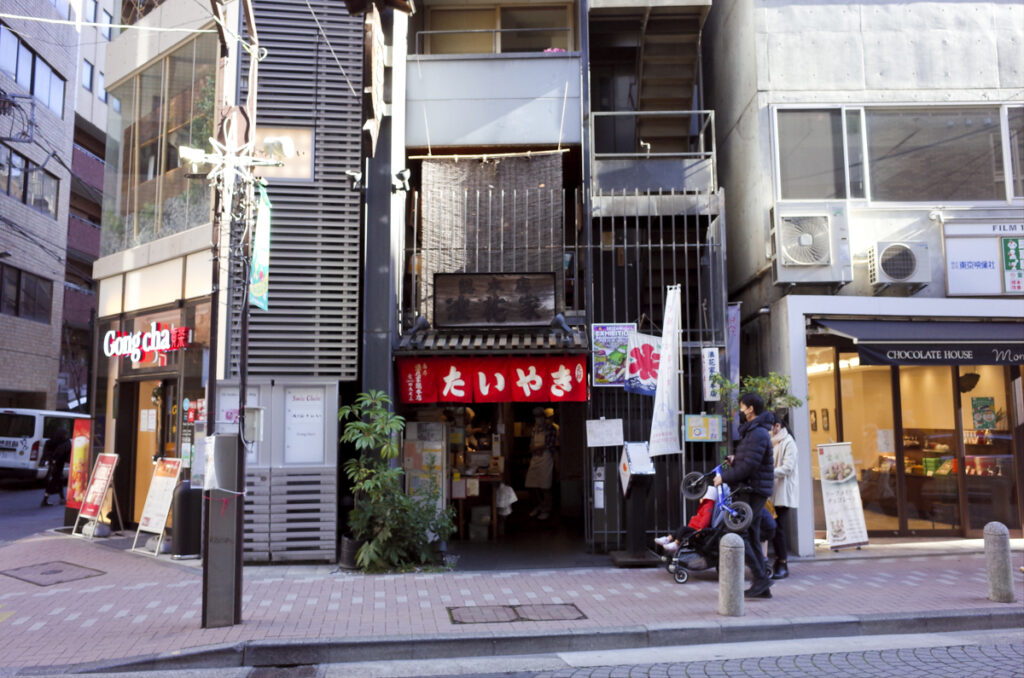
735, 514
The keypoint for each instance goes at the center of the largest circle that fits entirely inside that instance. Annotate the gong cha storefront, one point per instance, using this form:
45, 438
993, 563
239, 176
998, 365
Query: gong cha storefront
151, 393
470, 418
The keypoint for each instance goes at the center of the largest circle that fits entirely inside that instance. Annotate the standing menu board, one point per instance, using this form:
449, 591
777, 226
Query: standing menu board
158, 500
96, 493
840, 494
304, 425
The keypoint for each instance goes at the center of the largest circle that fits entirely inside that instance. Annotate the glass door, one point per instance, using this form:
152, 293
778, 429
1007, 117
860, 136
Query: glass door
928, 451
147, 441
989, 470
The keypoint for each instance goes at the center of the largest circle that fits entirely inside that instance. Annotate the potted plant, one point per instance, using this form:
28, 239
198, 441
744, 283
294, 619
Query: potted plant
773, 389
397, 529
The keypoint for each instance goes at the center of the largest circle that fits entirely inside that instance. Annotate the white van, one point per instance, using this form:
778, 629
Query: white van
23, 433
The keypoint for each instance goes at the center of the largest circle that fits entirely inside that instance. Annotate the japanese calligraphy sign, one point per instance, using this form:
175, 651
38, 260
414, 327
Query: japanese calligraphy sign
493, 379
1013, 265
494, 299
840, 494
642, 362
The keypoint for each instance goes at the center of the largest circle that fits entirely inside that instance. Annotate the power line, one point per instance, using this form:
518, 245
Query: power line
123, 27
331, 47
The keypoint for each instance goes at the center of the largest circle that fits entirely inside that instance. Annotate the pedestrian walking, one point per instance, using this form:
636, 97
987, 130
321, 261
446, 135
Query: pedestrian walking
56, 453
753, 464
784, 496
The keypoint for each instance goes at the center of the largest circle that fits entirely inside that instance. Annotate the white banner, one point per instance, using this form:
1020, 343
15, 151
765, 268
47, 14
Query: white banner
840, 494
666, 422
711, 367
642, 363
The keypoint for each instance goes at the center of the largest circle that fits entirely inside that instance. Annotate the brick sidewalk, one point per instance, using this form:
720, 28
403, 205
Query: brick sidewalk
134, 605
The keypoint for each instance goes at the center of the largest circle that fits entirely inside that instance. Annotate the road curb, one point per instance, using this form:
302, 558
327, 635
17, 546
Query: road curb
445, 646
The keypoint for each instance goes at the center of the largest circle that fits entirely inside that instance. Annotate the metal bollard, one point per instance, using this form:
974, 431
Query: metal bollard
730, 576
997, 563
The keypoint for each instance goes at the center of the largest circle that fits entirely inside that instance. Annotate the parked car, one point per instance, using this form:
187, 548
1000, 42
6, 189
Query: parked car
23, 433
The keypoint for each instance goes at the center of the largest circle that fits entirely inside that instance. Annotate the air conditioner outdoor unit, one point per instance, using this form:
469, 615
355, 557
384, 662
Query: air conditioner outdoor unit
894, 263
812, 247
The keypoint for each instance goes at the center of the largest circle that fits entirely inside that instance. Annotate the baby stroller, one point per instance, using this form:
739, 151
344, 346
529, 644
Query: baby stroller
699, 549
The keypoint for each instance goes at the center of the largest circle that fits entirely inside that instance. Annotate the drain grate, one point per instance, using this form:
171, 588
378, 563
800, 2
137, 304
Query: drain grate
54, 572
490, 614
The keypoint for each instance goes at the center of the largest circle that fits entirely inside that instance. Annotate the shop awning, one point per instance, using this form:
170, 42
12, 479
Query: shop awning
489, 342
927, 342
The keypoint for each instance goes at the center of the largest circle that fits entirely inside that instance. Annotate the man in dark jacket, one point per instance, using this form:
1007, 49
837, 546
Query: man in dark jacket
56, 453
753, 464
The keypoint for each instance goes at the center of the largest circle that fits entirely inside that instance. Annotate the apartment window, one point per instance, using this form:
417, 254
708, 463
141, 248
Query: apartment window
87, 70
42, 190
101, 89
106, 21
31, 71
811, 164
900, 154
25, 295
90, 11
935, 154
1015, 123
497, 30
26, 182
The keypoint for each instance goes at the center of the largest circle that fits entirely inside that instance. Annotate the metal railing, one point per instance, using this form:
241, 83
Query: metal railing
422, 38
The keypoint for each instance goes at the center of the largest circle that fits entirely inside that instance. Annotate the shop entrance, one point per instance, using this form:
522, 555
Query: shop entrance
933, 445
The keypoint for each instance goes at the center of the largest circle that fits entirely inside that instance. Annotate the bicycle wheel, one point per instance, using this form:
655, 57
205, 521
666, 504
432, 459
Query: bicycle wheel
740, 517
694, 485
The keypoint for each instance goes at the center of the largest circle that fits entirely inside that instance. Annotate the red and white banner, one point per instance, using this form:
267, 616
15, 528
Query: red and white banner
78, 473
493, 379
102, 475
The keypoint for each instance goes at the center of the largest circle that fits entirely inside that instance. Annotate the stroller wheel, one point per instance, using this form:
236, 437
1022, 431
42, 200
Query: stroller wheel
681, 575
740, 517
695, 484
769, 571
672, 566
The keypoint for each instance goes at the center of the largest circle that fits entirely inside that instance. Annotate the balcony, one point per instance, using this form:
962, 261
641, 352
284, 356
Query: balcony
87, 168
492, 99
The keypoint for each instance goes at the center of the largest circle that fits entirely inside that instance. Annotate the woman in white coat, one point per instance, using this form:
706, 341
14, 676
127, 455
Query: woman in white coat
784, 496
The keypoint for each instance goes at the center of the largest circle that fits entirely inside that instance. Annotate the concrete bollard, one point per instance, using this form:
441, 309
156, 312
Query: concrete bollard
997, 563
730, 576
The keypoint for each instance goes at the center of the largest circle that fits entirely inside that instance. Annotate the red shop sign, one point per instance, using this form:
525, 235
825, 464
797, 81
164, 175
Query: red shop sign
493, 379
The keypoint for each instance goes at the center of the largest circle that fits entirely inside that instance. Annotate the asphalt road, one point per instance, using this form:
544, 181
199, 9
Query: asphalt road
20, 513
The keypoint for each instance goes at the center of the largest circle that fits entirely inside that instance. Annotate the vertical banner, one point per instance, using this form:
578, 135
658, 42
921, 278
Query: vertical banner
666, 423
642, 362
732, 350
610, 344
259, 273
840, 495
102, 475
78, 474
710, 367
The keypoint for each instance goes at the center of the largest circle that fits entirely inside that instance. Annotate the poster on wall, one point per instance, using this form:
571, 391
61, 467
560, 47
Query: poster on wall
840, 495
610, 346
1013, 265
78, 473
983, 413
304, 425
642, 362
703, 428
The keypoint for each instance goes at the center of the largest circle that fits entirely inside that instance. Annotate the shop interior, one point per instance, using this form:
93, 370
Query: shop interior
921, 436
481, 454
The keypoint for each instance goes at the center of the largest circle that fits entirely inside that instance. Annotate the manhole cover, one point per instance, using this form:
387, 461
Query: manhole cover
490, 614
54, 572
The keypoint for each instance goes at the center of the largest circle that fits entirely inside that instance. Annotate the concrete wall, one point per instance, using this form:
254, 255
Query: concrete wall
29, 350
92, 46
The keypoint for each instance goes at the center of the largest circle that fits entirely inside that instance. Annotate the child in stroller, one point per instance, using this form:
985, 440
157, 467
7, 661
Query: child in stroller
695, 546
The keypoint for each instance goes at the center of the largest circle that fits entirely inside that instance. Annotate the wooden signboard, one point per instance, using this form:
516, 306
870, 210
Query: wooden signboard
158, 500
494, 299
96, 493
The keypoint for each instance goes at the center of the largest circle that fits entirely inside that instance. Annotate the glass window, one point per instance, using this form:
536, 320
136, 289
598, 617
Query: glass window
8, 51
107, 20
534, 29
90, 11
935, 154
56, 101
87, 75
17, 425
35, 299
1015, 115
24, 66
16, 188
855, 153
41, 83
5, 160
42, 191
811, 154
9, 291
463, 31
